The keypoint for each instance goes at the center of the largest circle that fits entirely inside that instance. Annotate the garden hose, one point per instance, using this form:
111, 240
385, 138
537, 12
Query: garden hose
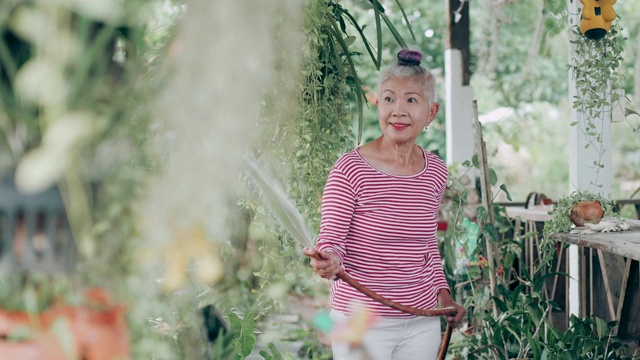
444, 344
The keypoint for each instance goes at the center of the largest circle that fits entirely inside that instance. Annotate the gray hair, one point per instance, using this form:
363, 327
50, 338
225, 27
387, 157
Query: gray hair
401, 69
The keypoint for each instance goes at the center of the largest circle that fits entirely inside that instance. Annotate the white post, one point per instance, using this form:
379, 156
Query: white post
583, 174
458, 110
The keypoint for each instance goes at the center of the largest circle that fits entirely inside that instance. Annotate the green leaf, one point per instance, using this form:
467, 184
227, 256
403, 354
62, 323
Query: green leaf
475, 161
377, 13
489, 232
601, 328
500, 304
536, 347
545, 354
350, 40
406, 20
493, 177
515, 295
481, 213
360, 94
503, 187
365, 41
273, 353
247, 338
394, 31
234, 321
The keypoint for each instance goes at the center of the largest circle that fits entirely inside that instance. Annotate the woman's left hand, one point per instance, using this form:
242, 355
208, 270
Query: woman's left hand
445, 300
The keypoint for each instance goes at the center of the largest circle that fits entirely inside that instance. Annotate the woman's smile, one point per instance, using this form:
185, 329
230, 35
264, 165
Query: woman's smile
399, 126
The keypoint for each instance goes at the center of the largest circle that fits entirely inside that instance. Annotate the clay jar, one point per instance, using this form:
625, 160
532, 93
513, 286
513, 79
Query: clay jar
586, 212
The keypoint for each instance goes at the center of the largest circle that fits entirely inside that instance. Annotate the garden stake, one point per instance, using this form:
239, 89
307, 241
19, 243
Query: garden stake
444, 344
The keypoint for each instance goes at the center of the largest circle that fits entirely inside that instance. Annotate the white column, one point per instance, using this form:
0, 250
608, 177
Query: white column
583, 174
458, 110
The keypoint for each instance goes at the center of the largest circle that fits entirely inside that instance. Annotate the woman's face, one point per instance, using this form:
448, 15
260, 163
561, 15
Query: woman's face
404, 110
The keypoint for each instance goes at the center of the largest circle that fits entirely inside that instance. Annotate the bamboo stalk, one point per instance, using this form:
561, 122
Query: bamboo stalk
486, 200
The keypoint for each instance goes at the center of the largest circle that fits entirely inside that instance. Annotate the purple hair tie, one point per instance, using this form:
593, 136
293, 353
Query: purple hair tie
409, 57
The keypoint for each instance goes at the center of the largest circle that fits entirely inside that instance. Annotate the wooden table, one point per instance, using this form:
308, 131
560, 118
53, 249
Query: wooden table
610, 262
607, 268
623, 243
536, 213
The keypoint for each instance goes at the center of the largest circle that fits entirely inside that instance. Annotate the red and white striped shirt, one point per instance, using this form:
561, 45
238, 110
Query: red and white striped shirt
383, 228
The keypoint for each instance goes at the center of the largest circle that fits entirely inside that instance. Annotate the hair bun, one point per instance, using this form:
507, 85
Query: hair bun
409, 57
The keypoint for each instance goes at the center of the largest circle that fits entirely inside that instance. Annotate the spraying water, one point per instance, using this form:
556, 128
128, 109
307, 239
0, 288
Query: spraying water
279, 204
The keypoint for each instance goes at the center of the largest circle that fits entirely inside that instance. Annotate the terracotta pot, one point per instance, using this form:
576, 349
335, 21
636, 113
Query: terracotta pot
586, 212
42, 346
98, 329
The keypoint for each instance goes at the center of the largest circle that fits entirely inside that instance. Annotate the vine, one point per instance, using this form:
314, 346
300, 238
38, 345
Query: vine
595, 68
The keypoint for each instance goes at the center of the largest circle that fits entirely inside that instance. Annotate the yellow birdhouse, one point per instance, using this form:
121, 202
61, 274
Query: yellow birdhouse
596, 18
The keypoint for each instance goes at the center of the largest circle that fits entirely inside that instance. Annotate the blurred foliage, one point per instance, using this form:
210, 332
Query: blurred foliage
95, 137
76, 81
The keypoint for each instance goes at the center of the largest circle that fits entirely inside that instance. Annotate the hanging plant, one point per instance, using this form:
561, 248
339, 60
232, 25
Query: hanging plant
595, 68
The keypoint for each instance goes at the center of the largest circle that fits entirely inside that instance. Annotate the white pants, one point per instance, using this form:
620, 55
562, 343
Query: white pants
415, 338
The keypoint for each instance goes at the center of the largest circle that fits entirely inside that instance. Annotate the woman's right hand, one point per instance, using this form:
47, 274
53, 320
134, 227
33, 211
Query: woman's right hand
324, 263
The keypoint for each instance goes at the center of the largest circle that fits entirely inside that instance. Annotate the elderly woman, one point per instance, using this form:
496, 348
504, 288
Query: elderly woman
379, 212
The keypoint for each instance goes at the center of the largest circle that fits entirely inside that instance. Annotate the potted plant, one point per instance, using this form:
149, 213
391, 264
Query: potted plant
577, 208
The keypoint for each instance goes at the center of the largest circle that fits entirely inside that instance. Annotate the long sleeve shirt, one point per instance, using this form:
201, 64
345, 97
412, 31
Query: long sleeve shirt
383, 228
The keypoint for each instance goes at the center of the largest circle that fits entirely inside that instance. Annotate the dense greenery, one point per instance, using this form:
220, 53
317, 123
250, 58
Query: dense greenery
516, 320
103, 135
